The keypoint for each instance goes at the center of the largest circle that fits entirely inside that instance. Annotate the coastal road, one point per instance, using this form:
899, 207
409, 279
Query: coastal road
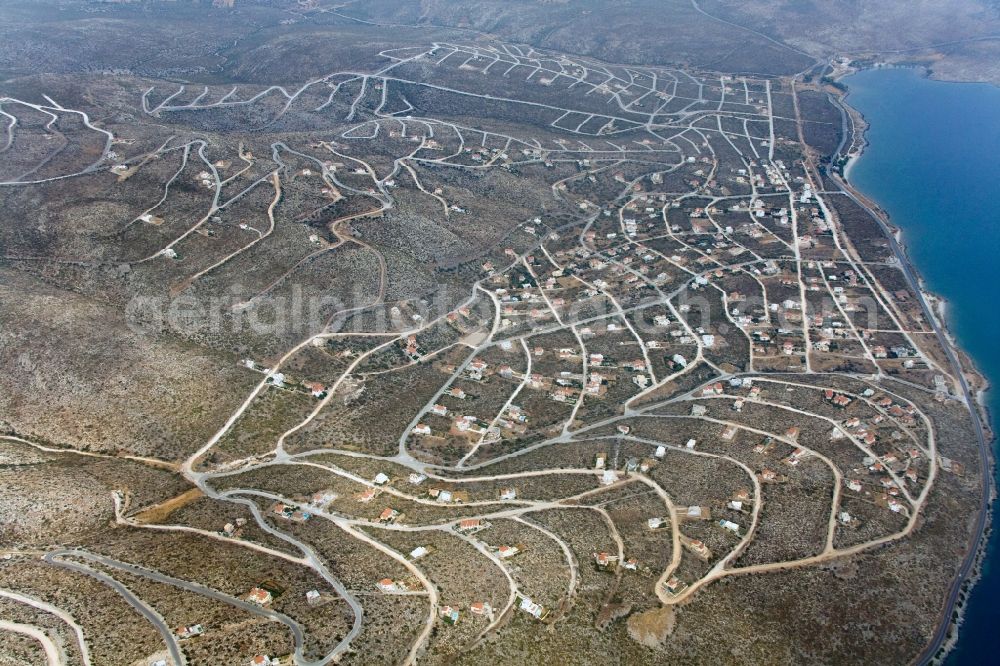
985, 457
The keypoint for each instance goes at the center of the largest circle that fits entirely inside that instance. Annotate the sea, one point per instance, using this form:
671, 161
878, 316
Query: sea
933, 164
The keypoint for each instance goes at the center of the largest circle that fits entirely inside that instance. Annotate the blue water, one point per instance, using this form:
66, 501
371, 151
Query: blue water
933, 163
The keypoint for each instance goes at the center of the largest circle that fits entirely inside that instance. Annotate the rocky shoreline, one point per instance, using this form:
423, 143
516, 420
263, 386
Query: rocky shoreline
953, 613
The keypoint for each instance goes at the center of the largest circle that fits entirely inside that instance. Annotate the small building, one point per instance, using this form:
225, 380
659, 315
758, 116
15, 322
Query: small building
731, 526
713, 389
480, 608
259, 596
604, 559
322, 497
190, 631
531, 608
316, 388
697, 513
699, 548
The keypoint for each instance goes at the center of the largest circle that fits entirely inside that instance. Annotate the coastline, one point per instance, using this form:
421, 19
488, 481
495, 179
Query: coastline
938, 304
973, 382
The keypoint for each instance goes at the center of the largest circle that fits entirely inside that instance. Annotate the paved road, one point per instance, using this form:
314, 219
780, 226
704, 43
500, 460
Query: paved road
298, 635
316, 564
985, 456
55, 558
